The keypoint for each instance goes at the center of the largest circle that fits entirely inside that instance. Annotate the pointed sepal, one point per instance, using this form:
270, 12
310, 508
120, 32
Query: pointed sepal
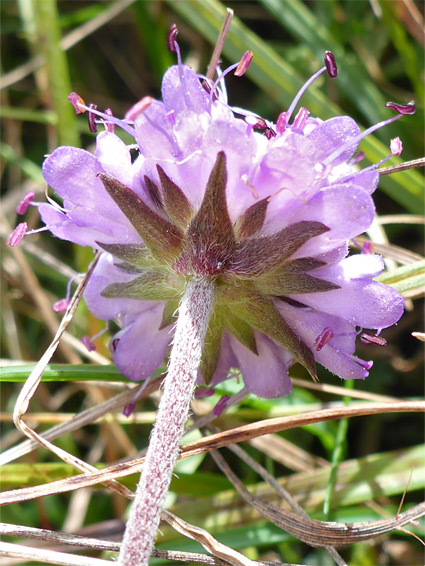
134, 254
291, 279
161, 237
252, 220
260, 313
176, 203
210, 234
211, 349
149, 286
256, 256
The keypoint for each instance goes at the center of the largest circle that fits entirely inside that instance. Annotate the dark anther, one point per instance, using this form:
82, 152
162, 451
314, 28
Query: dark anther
92, 121
367, 338
408, 108
171, 38
206, 86
270, 133
331, 64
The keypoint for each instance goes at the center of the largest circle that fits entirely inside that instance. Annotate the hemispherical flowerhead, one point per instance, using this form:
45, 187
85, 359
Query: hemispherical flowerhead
264, 210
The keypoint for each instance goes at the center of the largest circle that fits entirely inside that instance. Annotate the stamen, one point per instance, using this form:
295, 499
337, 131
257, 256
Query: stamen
270, 133
221, 405
302, 90
76, 101
300, 119
113, 344
24, 205
402, 109
138, 108
92, 122
241, 67
171, 38
256, 122
396, 146
282, 122
173, 46
367, 338
367, 247
88, 343
244, 63
110, 127
61, 305
331, 64
17, 235
110, 118
324, 338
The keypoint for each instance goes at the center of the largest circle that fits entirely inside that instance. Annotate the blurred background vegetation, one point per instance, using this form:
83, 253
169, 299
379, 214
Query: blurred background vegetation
113, 54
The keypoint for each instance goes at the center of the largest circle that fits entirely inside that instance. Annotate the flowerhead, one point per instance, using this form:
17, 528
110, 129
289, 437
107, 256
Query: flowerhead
266, 210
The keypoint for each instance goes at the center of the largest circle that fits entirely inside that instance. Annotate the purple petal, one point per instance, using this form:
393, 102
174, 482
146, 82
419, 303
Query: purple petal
104, 274
336, 355
114, 157
141, 347
187, 96
265, 375
333, 133
360, 300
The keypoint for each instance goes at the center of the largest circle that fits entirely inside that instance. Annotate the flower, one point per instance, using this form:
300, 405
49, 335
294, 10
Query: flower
265, 210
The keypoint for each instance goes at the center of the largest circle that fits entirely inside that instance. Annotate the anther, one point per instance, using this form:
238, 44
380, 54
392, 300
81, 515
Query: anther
221, 406
110, 127
171, 38
367, 338
91, 118
282, 122
76, 100
88, 343
403, 109
300, 119
244, 63
331, 64
138, 108
324, 338
25, 202
61, 305
17, 235
396, 146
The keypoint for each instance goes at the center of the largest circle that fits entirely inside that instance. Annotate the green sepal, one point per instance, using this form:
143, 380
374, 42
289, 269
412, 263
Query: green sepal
241, 330
252, 220
163, 239
210, 234
260, 313
176, 203
134, 254
211, 349
255, 256
149, 286
169, 316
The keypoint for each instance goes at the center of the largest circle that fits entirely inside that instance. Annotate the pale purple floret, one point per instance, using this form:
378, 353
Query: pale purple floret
306, 171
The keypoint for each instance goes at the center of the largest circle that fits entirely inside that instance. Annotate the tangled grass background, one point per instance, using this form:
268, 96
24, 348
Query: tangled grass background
114, 53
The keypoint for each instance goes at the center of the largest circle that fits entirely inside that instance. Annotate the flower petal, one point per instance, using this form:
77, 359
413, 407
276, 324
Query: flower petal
141, 347
360, 300
265, 375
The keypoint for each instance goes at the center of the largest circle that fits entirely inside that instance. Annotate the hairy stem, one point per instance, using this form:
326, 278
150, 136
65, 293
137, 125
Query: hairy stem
192, 324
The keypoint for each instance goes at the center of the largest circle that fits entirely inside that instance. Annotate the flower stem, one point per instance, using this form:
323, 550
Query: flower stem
194, 314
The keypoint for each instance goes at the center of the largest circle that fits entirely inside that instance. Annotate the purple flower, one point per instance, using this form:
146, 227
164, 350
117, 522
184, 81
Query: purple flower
265, 210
